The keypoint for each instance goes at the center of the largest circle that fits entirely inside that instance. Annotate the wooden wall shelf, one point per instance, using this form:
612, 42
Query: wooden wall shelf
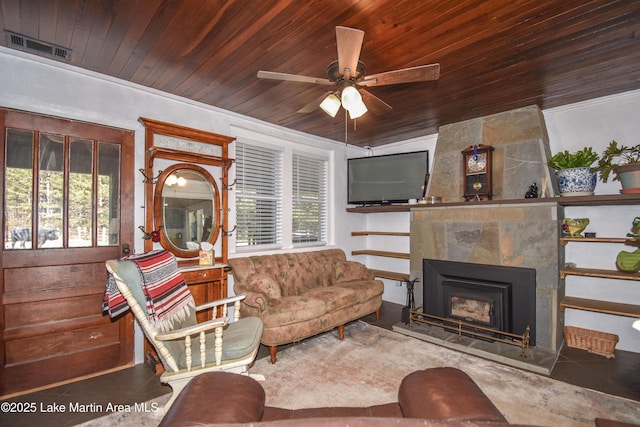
565, 240
380, 233
607, 307
387, 254
594, 272
392, 275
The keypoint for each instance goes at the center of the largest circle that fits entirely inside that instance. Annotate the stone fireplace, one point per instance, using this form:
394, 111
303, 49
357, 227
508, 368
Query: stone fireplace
511, 235
507, 231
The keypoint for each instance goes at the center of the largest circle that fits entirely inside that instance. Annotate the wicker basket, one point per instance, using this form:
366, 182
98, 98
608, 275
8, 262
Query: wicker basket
596, 342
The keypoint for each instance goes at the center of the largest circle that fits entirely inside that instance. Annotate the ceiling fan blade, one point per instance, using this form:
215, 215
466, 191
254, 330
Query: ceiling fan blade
311, 107
349, 43
293, 78
422, 73
373, 103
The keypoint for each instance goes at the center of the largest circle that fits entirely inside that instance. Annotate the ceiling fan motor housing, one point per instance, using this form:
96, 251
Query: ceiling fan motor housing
334, 74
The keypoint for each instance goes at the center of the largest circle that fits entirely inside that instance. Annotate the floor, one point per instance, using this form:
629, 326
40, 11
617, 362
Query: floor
619, 376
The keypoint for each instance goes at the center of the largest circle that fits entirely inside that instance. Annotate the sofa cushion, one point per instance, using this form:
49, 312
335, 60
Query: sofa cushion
387, 410
288, 310
364, 289
445, 394
239, 339
349, 271
334, 297
243, 401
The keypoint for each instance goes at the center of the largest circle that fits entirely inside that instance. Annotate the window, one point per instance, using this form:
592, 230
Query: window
259, 196
309, 200
76, 185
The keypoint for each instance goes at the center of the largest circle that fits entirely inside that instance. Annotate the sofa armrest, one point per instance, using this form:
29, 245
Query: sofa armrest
445, 394
238, 399
351, 270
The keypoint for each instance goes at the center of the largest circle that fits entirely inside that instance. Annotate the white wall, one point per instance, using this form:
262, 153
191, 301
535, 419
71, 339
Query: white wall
42, 86
38, 85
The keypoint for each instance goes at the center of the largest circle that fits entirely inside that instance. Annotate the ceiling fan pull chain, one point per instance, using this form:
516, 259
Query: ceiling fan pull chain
346, 129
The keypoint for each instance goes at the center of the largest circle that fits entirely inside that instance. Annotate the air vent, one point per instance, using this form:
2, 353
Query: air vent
37, 47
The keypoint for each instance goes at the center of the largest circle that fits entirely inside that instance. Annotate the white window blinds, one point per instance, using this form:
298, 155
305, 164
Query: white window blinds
309, 200
259, 196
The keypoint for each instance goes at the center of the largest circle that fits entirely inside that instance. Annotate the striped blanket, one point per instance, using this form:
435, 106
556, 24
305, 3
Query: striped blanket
168, 298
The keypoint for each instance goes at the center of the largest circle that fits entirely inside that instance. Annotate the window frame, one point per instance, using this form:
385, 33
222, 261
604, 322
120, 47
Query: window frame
287, 150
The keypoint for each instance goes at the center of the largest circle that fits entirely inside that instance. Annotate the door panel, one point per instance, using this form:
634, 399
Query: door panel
68, 207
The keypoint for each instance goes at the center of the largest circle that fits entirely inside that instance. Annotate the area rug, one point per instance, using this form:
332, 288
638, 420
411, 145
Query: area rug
367, 368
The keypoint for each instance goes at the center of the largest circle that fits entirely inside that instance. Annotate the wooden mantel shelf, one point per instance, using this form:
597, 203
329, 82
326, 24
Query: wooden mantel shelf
607, 199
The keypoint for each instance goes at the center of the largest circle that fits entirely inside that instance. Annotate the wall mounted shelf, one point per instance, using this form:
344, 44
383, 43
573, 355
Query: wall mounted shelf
615, 308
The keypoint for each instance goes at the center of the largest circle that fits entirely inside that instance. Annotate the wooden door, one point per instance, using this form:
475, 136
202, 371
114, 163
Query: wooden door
67, 189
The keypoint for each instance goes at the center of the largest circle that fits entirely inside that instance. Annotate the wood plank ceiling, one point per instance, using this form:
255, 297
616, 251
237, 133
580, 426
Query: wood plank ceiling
495, 55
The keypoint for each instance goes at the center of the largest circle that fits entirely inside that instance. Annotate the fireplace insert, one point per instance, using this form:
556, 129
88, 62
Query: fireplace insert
494, 296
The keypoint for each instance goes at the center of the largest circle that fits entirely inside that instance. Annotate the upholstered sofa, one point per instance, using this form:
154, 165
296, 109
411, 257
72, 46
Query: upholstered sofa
431, 397
298, 295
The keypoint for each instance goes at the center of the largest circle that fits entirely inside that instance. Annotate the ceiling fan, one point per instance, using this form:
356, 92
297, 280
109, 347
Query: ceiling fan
348, 75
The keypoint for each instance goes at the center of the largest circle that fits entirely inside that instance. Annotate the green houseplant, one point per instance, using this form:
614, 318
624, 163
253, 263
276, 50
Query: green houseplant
576, 177
624, 161
567, 160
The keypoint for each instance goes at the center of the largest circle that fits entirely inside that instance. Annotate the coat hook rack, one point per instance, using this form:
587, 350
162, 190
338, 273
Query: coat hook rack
154, 235
228, 233
229, 186
148, 180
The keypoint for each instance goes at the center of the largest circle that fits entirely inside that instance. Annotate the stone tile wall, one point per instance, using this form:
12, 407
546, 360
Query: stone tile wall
517, 235
521, 145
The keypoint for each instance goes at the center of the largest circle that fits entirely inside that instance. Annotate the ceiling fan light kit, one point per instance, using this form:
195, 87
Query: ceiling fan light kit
330, 105
352, 102
348, 72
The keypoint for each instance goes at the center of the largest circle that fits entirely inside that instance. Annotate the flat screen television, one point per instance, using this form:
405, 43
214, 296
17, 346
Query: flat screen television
392, 178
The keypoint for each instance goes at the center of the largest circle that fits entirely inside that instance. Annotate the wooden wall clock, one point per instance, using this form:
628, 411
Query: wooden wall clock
476, 165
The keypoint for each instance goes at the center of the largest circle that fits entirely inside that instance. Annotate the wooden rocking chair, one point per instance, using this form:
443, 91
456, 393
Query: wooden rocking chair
189, 348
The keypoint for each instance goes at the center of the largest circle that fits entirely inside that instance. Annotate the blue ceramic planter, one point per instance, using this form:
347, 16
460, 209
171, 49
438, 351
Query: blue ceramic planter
576, 181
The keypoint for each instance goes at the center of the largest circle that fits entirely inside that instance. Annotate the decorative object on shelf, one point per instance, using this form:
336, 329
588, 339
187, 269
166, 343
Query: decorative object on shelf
573, 227
576, 176
432, 200
206, 254
629, 262
626, 261
532, 192
477, 172
154, 235
590, 235
624, 161
635, 226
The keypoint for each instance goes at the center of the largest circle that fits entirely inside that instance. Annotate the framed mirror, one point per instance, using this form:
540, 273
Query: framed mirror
186, 209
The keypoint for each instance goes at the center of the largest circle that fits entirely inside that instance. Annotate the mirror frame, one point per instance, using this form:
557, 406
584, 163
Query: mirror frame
158, 209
